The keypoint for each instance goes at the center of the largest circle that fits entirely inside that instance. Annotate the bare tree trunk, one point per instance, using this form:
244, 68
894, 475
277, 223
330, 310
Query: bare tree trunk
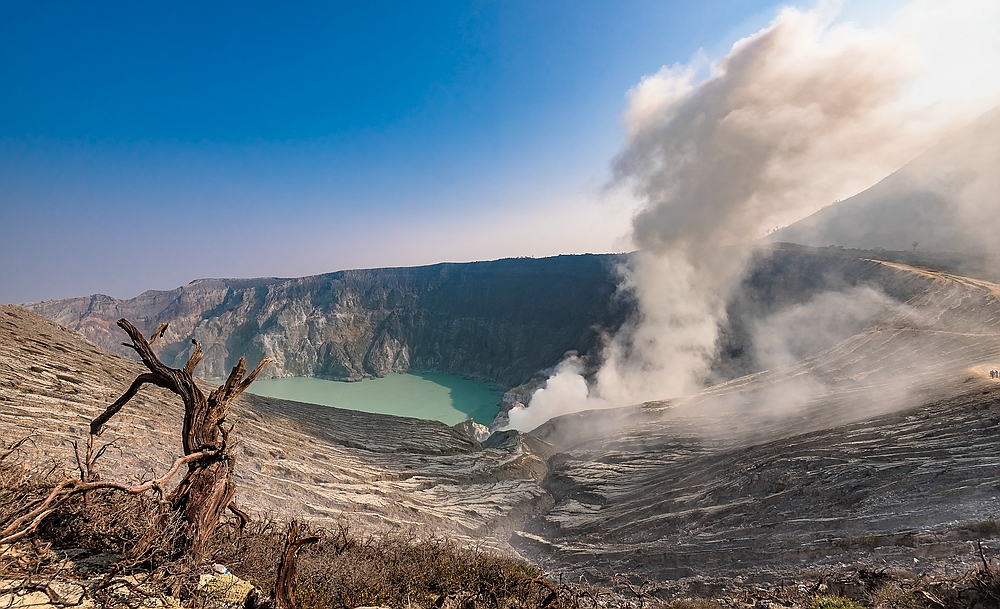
207, 488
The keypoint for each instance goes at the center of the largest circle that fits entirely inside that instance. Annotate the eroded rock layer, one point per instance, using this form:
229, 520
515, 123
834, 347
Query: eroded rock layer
882, 450
499, 321
879, 450
293, 458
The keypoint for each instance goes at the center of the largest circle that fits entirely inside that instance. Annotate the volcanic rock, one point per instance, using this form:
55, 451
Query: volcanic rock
500, 321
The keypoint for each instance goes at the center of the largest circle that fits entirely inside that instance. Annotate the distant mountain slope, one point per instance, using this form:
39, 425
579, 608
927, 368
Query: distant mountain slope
500, 321
947, 199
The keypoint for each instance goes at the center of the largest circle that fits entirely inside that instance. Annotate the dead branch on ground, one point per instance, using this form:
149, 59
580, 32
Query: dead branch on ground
12, 448
28, 522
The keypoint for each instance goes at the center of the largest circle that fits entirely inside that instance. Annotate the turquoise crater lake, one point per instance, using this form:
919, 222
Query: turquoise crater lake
423, 395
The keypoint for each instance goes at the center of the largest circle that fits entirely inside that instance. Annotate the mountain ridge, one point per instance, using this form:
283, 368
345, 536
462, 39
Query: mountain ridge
943, 200
500, 320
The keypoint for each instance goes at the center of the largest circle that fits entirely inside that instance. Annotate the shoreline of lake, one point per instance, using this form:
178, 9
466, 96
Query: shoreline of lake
435, 396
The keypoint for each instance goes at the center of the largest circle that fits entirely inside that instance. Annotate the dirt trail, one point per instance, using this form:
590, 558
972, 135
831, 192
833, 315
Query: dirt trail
969, 282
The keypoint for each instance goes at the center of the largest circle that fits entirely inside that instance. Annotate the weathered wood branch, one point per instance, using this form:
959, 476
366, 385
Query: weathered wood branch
12, 448
264, 363
86, 465
159, 332
234, 378
29, 521
141, 346
243, 517
196, 357
284, 586
97, 424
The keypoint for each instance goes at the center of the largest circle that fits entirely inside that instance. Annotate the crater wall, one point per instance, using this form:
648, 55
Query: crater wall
500, 321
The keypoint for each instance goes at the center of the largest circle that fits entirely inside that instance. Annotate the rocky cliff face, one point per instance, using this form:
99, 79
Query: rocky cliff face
500, 321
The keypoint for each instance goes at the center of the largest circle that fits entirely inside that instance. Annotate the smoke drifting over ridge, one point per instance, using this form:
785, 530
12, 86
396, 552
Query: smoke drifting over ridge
939, 200
795, 116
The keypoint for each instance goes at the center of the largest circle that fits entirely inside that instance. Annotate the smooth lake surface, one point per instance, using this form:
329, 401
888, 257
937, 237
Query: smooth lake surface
425, 395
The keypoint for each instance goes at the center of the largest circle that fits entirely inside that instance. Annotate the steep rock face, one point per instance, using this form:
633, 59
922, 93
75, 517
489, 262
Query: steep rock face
499, 321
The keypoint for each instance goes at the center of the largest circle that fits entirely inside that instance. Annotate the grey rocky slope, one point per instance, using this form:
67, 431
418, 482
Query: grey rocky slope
323, 463
881, 450
500, 321
878, 450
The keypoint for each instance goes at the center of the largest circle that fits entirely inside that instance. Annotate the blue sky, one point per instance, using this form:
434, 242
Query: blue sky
146, 145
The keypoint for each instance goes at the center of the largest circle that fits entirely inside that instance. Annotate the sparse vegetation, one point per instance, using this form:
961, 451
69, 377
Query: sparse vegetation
347, 568
343, 569
979, 530
894, 596
861, 542
833, 602
395, 569
698, 603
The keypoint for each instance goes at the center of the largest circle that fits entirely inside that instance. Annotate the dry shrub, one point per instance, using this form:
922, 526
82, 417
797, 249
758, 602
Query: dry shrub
131, 527
698, 603
833, 602
106, 521
977, 590
252, 552
396, 569
404, 569
895, 595
979, 530
20, 488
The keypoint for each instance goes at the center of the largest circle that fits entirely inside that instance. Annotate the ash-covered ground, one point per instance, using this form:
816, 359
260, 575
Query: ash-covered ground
880, 450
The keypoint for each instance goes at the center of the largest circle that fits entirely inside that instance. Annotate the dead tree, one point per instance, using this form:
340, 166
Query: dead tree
207, 488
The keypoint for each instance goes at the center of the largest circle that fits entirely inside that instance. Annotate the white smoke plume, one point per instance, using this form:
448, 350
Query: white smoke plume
802, 113
801, 330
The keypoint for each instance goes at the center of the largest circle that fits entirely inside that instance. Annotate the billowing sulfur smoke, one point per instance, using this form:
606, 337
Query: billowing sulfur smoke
800, 114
